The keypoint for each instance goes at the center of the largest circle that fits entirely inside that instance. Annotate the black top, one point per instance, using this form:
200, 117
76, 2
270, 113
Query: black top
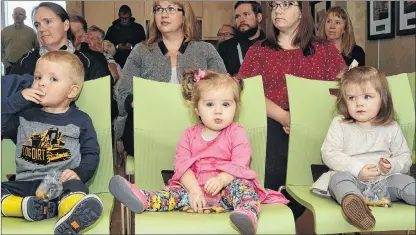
117, 33
95, 64
357, 54
229, 54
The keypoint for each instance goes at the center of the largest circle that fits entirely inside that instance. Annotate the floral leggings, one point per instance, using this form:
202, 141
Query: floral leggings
239, 194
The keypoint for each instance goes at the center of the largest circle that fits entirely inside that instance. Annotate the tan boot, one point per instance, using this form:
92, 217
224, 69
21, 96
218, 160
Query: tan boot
78, 211
357, 212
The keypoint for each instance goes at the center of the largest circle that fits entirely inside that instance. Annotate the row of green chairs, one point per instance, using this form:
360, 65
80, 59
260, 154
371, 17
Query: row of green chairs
311, 112
159, 124
92, 96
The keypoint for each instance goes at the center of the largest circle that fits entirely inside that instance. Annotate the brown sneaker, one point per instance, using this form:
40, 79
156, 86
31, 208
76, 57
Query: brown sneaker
357, 212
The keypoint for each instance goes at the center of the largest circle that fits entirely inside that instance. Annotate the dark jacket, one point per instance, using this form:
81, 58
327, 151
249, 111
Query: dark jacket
132, 33
357, 54
95, 65
229, 54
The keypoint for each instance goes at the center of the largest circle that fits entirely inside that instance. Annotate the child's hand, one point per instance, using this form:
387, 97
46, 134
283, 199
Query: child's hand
69, 175
384, 165
34, 95
213, 186
40, 194
369, 173
197, 200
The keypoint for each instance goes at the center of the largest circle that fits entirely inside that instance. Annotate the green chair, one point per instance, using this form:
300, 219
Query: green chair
91, 101
412, 82
160, 117
312, 109
8, 149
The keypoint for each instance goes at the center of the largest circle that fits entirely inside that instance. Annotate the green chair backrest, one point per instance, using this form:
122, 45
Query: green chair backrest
404, 107
95, 101
161, 116
412, 82
312, 109
8, 163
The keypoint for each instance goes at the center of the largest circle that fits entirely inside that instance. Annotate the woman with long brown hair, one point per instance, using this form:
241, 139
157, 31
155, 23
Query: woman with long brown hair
173, 45
336, 26
290, 48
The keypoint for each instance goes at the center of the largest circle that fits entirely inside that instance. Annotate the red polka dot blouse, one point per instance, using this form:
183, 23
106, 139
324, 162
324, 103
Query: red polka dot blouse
272, 65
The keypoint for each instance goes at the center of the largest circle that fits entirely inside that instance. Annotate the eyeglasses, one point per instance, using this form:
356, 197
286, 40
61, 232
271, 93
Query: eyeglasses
283, 5
224, 34
169, 10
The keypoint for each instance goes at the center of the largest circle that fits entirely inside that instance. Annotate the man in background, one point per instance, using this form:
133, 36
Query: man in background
124, 34
16, 40
224, 33
248, 16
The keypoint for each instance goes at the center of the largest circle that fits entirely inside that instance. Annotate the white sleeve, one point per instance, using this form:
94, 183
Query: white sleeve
332, 151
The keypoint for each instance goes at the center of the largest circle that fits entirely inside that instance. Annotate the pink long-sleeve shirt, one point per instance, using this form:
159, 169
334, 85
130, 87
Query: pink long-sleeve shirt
229, 152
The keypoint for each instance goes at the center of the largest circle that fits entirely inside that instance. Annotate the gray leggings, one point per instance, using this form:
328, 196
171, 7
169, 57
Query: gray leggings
400, 187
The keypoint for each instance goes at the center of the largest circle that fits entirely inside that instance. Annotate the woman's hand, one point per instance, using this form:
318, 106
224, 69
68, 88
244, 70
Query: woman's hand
197, 200
284, 118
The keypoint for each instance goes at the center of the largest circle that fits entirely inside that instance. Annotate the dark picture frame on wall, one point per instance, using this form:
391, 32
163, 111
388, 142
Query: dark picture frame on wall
406, 18
319, 9
380, 20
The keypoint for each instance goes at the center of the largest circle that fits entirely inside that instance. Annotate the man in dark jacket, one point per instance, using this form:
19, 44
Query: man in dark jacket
124, 34
248, 16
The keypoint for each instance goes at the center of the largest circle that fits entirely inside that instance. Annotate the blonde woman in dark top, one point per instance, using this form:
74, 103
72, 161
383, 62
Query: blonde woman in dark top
336, 26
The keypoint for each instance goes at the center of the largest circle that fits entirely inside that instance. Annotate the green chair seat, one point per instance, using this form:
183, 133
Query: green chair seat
21, 226
156, 135
329, 219
274, 219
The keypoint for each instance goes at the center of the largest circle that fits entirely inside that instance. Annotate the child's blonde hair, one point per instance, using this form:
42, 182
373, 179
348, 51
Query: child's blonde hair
74, 65
361, 76
196, 81
109, 47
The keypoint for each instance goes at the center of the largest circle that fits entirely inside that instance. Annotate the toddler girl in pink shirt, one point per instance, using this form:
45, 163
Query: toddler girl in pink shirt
212, 161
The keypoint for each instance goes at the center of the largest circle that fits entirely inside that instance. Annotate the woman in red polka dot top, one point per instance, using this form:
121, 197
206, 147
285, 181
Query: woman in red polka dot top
290, 48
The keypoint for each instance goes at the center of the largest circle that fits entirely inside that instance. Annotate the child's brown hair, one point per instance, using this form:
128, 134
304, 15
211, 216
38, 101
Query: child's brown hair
361, 76
196, 81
